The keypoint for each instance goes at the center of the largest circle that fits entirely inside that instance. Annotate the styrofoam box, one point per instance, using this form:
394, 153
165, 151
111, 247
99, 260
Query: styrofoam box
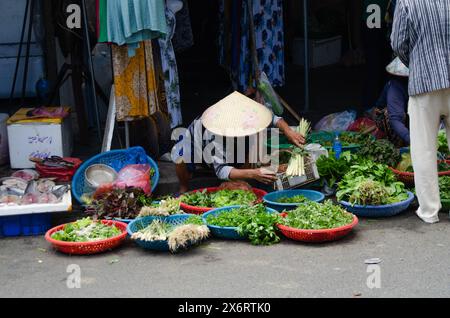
40, 140
321, 52
64, 206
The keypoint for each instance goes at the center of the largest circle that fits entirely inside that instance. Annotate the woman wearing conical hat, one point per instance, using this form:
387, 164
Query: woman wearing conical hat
235, 117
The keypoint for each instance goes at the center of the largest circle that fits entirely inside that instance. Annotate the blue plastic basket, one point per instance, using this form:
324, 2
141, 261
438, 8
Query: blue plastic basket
109, 158
270, 199
139, 224
379, 211
25, 225
230, 233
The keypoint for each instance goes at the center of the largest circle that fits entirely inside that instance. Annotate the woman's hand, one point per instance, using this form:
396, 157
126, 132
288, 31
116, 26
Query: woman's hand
295, 138
263, 175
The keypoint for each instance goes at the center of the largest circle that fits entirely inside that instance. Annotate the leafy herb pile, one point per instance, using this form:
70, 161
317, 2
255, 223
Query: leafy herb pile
405, 164
252, 222
442, 143
294, 199
380, 151
369, 183
192, 231
332, 170
444, 187
118, 203
317, 216
346, 138
219, 198
86, 230
166, 207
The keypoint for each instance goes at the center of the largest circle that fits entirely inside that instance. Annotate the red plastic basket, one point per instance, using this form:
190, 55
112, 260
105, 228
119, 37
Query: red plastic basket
200, 210
86, 248
317, 236
408, 177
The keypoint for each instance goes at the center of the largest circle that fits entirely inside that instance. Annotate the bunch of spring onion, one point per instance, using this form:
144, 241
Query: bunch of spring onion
296, 165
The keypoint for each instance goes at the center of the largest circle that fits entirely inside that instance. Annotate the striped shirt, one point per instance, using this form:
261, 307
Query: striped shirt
421, 38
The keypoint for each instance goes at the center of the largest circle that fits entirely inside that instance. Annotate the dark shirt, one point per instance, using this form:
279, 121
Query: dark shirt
395, 97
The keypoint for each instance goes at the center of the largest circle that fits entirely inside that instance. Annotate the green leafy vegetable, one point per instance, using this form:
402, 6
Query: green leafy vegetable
332, 170
369, 183
443, 146
118, 203
295, 199
86, 230
380, 151
219, 198
444, 187
317, 216
253, 222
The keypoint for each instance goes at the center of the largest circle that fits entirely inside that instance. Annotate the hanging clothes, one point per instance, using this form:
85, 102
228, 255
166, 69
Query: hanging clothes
183, 37
131, 21
235, 41
135, 82
170, 71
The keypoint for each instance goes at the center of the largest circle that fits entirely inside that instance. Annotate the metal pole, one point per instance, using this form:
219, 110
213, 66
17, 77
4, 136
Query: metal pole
305, 36
91, 69
27, 54
19, 54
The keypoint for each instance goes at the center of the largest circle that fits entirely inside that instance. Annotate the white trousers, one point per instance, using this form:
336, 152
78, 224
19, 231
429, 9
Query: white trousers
425, 113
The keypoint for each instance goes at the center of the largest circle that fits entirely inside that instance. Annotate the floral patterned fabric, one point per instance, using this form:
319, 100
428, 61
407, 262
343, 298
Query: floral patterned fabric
135, 82
235, 41
170, 71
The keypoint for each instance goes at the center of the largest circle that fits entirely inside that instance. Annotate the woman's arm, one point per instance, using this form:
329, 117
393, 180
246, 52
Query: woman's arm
262, 175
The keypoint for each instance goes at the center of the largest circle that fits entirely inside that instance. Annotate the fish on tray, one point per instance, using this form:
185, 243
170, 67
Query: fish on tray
16, 191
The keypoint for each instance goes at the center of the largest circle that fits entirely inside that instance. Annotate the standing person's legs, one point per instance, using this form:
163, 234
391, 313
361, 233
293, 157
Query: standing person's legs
424, 114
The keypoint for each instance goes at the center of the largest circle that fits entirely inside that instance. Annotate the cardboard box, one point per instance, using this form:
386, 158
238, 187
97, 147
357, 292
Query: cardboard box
40, 138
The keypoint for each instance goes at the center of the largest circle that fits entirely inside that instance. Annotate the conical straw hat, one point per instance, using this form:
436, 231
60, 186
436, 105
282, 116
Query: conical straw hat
397, 68
236, 116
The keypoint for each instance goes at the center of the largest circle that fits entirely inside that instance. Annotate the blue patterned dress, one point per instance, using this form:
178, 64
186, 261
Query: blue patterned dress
234, 42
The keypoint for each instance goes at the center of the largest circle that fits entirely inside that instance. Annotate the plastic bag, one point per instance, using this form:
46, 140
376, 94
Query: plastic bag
137, 176
270, 97
337, 121
134, 155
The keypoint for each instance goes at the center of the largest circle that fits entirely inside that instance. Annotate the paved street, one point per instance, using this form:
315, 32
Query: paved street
414, 263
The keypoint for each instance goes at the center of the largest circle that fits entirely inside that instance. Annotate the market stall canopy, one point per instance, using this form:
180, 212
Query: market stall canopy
236, 116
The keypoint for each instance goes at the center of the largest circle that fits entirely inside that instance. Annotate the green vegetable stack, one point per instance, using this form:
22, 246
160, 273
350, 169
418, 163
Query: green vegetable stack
219, 198
380, 151
317, 216
252, 222
332, 170
294, 199
86, 230
296, 165
369, 183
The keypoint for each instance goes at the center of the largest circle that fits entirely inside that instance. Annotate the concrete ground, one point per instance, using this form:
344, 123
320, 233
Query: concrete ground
414, 263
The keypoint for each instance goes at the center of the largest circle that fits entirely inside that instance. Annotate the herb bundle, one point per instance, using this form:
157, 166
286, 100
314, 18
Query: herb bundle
444, 188
296, 165
369, 183
332, 170
380, 151
317, 216
254, 222
294, 199
86, 230
192, 231
219, 198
